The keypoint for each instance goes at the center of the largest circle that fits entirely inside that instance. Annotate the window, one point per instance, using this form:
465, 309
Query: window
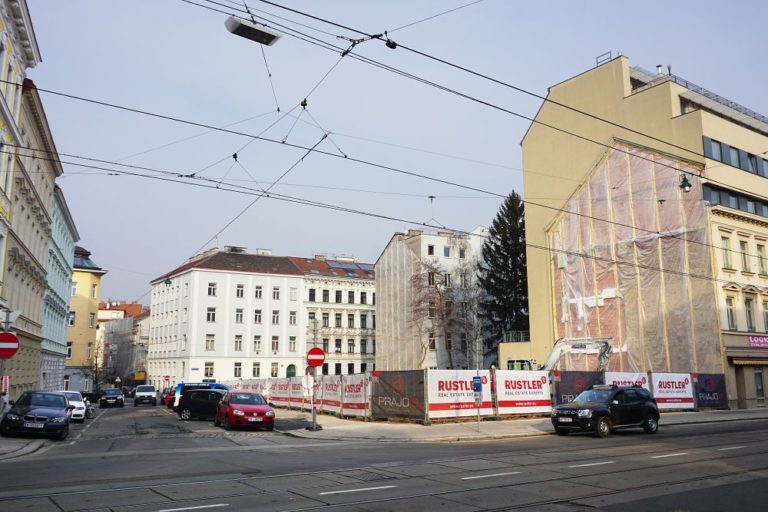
759, 391
238, 342
431, 341
292, 318
744, 256
209, 342
183, 342
275, 343
337, 346
761, 259
730, 314
447, 251
273, 370
463, 277
293, 294
312, 319
373, 348
210, 315
89, 351
276, 293
351, 297
71, 318
462, 253
725, 246
326, 296
238, 370
325, 368
748, 309
256, 370
74, 289
350, 346
431, 278
373, 322
94, 291
430, 250
257, 293
373, 298
311, 295
338, 296
733, 154
765, 315
431, 309
363, 298
69, 350
240, 291
351, 321
91, 320
363, 321
211, 289
238, 316
363, 367
447, 280
350, 368
209, 369
257, 316
337, 319
363, 346
275, 317
292, 344
325, 345
337, 368
257, 343
326, 320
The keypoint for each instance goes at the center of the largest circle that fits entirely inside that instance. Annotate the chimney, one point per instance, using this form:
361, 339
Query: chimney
235, 249
264, 252
414, 232
320, 257
658, 69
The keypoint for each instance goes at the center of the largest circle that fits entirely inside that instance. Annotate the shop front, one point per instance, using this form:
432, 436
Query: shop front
747, 357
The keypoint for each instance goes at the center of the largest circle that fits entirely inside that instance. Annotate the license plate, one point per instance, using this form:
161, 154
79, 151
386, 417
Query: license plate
565, 420
257, 420
34, 425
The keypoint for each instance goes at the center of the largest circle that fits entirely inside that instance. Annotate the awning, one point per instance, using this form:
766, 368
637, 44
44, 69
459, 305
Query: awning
750, 362
138, 376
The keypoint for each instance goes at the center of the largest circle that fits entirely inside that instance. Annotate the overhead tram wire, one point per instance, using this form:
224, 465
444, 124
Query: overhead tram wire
435, 16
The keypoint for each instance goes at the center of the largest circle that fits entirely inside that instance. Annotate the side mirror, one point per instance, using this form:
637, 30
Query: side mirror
12, 402
70, 407
270, 404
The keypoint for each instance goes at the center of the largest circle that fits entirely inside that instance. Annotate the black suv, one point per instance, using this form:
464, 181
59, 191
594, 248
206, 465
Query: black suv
603, 408
111, 396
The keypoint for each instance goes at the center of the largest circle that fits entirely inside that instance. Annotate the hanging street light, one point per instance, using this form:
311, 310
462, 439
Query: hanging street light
251, 30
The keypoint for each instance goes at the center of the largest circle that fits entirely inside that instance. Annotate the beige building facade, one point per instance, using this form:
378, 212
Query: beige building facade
649, 228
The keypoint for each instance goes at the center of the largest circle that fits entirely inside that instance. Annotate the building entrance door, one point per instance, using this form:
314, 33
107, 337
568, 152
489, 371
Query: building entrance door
759, 390
741, 389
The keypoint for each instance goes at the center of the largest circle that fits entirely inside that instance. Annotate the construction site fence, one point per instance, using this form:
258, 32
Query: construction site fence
424, 395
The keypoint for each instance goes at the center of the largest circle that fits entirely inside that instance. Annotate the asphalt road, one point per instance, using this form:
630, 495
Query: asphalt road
145, 459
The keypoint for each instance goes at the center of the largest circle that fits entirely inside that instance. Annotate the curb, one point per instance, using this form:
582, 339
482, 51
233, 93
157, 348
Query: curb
443, 439
28, 449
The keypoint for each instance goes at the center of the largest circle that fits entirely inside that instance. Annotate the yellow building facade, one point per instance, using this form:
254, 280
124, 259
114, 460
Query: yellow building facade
675, 276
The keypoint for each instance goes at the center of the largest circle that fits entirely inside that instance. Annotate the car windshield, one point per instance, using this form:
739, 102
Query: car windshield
73, 396
145, 388
42, 400
247, 398
594, 395
112, 392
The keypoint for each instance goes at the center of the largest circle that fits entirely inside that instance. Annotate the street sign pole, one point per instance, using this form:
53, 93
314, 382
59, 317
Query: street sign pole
315, 358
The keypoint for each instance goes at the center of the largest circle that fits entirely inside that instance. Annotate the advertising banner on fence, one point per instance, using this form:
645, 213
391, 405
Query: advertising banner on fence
397, 394
710, 391
330, 389
355, 395
570, 384
522, 392
450, 393
673, 390
628, 379
280, 392
298, 391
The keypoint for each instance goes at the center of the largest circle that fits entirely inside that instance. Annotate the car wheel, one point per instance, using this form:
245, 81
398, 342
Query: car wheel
185, 414
216, 422
650, 424
270, 428
63, 434
603, 427
561, 431
227, 426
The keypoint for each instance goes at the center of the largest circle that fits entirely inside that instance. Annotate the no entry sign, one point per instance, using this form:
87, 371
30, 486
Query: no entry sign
9, 344
315, 356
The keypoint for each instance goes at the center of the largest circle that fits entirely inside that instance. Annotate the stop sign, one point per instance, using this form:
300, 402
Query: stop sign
315, 356
9, 344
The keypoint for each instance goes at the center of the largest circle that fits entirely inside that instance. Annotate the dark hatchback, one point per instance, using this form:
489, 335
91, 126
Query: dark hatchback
38, 412
112, 397
200, 403
604, 408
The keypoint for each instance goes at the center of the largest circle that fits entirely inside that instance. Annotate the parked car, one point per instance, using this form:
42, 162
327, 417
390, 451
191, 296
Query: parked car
187, 386
604, 408
199, 403
75, 398
112, 397
128, 391
38, 412
145, 394
244, 409
168, 397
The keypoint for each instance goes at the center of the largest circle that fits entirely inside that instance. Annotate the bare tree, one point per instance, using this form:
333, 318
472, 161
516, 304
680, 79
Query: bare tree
468, 298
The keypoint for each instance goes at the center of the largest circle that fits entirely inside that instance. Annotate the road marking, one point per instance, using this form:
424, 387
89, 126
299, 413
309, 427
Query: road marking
91, 422
194, 508
354, 490
730, 448
490, 476
669, 455
593, 464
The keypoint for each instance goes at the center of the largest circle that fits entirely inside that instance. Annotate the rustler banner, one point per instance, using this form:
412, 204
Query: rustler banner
355, 395
628, 379
673, 390
450, 393
521, 392
280, 392
330, 391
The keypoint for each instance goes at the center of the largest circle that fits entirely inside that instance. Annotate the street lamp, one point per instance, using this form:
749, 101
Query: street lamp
251, 30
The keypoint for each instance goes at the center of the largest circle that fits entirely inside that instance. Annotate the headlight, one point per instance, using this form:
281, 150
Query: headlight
60, 419
270, 414
585, 413
79, 408
238, 412
12, 417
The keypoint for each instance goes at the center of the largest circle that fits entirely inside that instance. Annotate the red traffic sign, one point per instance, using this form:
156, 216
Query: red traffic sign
9, 345
315, 356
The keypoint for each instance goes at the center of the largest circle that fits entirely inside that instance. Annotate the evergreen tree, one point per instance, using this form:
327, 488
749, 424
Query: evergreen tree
502, 273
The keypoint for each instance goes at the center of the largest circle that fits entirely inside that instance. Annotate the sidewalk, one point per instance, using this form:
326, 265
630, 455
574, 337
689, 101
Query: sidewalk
13, 447
350, 430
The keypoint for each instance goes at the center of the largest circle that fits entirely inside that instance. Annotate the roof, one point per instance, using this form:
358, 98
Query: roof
238, 262
83, 260
334, 268
131, 310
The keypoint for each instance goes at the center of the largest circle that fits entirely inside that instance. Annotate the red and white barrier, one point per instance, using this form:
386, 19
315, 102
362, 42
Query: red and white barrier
523, 392
450, 393
355, 395
280, 392
330, 390
628, 379
673, 390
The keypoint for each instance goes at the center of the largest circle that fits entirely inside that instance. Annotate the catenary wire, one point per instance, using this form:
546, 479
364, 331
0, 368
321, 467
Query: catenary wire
434, 16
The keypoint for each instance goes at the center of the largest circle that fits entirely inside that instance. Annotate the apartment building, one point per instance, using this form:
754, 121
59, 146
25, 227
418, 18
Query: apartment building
650, 226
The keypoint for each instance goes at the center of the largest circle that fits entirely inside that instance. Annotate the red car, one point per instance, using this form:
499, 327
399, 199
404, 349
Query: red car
244, 409
167, 397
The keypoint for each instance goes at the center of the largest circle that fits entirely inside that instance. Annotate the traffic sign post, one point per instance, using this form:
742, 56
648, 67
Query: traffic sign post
477, 387
315, 358
9, 345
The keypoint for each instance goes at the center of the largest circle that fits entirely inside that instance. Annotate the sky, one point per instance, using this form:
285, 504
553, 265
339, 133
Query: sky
415, 154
